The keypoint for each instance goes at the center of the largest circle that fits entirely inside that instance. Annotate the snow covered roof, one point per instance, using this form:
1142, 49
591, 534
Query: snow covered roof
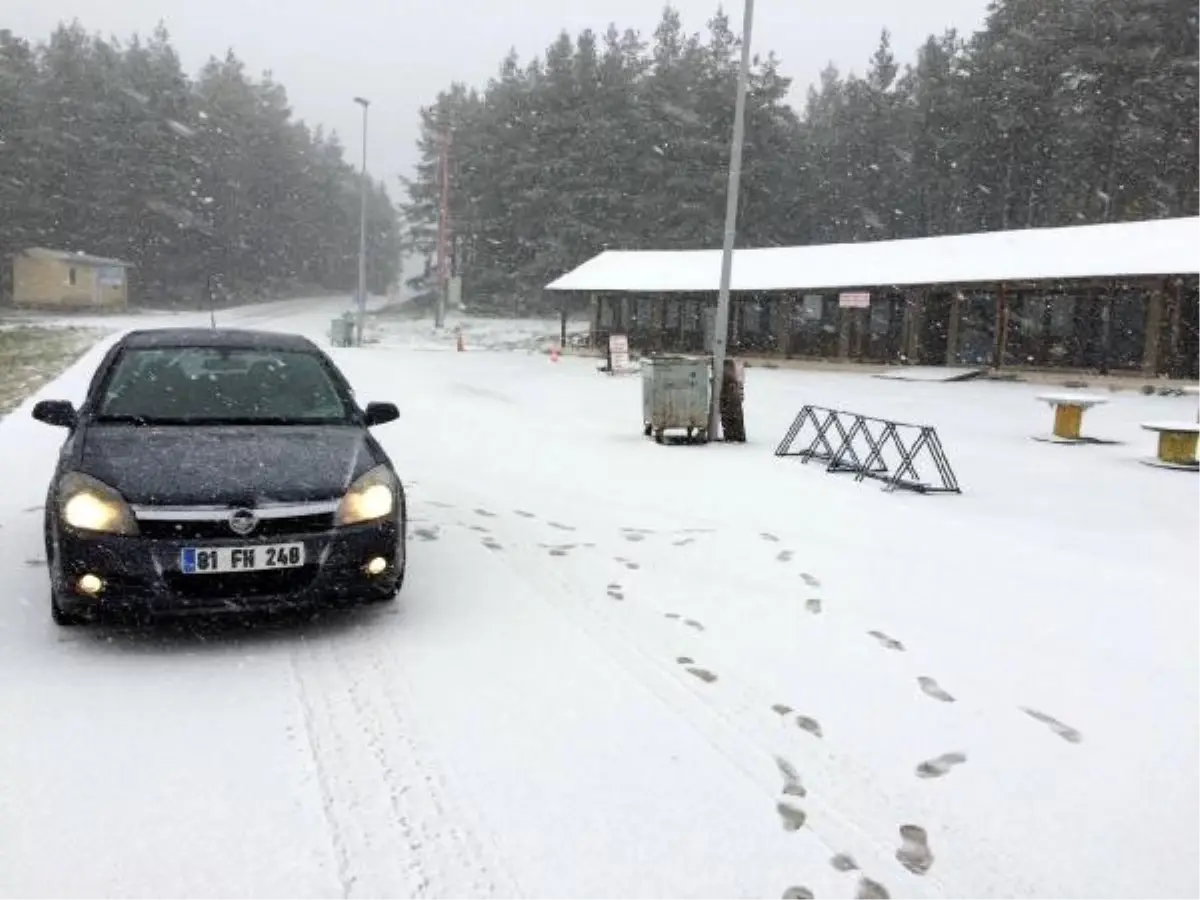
81, 259
1154, 247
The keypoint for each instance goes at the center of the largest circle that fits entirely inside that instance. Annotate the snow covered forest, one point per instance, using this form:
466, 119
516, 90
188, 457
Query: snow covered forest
111, 148
1056, 112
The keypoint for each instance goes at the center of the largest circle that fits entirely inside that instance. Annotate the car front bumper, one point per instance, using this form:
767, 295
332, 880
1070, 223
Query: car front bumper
143, 575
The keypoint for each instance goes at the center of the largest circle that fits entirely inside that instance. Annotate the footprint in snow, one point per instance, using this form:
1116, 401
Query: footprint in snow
886, 641
491, 544
792, 817
672, 615
704, 675
781, 709
35, 561
914, 853
1064, 731
810, 580
934, 690
870, 890
798, 892
560, 526
482, 528
33, 509
791, 778
633, 536
940, 765
844, 862
693, 624
615, 592
627, 563
427, 534
524, 514
683, 542
784, 556
486, 513
767, 536
440, 504
813, 605
809, 724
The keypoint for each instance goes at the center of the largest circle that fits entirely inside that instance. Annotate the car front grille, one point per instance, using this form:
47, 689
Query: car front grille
242, 584
218, 529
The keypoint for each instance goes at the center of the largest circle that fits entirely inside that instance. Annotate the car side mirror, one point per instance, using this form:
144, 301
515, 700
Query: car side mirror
56, 412
380, 414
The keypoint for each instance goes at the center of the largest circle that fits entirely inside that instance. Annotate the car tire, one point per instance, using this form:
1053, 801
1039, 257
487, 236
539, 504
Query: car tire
63, 617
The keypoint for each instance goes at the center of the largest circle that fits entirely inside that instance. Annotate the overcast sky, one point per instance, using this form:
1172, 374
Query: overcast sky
400, 53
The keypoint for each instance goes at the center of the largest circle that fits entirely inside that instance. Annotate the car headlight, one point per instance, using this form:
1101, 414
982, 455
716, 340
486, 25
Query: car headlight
372, 496
89, 504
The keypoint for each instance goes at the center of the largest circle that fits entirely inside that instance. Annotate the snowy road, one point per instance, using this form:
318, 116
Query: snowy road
610, 656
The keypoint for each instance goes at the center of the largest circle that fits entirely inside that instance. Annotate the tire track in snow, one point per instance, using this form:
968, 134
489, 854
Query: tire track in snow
393, 831
312, 739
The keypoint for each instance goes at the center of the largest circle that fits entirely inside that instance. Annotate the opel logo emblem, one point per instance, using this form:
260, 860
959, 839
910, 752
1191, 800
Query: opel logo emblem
242, 521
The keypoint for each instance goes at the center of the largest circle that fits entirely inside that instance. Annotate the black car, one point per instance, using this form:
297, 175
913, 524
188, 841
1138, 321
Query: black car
213, 470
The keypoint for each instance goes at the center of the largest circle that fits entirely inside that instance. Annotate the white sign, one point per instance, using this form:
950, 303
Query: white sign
618, 351
853, 300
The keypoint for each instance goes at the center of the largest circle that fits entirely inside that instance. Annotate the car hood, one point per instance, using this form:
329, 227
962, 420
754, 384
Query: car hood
235, 465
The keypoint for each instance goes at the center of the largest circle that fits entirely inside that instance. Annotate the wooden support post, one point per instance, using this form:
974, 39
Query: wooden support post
783, 324
906, 323
914, 311
843, 332
1106, 329
1001, 344
954, 327
1153, 336
862, 319
1175, 338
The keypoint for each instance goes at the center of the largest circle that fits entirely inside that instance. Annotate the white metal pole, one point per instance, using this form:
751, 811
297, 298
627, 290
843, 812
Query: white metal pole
362, 230
721, 320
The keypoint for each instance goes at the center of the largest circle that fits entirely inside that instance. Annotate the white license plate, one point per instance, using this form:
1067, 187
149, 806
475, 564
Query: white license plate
249, 558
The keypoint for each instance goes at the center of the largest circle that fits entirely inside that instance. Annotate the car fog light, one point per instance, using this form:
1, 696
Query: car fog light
376, 565
90, 584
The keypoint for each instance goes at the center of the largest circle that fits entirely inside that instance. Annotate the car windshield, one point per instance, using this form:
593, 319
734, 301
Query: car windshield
220, 385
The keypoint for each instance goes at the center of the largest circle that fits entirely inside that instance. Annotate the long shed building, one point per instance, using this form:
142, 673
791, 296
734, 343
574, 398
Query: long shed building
1119, 296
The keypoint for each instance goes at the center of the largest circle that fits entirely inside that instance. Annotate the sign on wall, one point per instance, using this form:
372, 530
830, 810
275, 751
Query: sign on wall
618, 351
854, 300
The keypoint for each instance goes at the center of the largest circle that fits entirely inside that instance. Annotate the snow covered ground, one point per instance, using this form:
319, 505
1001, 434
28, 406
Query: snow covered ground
624, 669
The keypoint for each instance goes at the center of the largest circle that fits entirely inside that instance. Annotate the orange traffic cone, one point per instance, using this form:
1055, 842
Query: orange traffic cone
458, 343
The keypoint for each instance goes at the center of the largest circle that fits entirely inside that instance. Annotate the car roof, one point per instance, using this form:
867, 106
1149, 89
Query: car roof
232, 338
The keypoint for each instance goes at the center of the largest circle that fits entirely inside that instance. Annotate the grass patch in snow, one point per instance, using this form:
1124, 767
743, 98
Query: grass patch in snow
31, 356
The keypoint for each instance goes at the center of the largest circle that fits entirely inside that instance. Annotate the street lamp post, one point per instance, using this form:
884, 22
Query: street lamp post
362, 229
721, 320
